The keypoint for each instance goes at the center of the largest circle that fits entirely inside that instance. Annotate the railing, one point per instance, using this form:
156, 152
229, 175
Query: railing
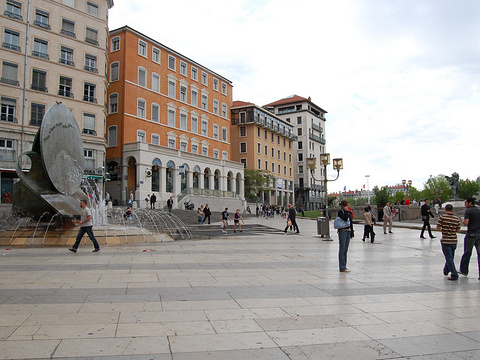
65, 93
90, 99
10, 81
66, 62
91, 69
91, 41
8, 118
317, 139
317, 128
7, 155
206, 192
13, 15
41, 24
11, 46
68, 33
39, 88
40, 55
89, 132
34, 122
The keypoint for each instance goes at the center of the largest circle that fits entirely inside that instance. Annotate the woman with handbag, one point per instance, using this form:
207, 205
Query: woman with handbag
368, 228
345, 233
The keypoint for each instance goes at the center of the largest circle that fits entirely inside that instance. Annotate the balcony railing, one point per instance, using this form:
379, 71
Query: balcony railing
317, 128
91, 41
13, 15
7, 155
89, 132
10, 81
38, 88
8, 118
91, 69
66, 93
35, 122
9, 46
90, 99
316, 138
68, 33
66, 62
41, 24
40, 55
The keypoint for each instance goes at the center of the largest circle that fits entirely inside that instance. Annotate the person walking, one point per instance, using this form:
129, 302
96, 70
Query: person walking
199, 216
130, 199
387, 218
170, 204
147, 200
344, 235
437, 204
449, 224
225, 218
236, 221
368, 227
471, 220
292, 214
426, 212
85, 227
207, 213
153, 200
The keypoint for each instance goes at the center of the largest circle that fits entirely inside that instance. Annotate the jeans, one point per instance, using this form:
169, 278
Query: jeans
81, 232
449, 252
470, 241
344, 241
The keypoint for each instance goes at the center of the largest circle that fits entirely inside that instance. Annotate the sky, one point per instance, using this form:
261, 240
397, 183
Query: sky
400, 79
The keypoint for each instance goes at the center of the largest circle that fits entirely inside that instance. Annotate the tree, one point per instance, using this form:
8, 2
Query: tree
399, 196
382, 196
468, 188
256, 181
437, 186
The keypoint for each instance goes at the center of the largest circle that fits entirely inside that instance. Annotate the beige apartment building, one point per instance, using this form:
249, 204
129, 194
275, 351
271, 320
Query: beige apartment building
263, 141
52, 51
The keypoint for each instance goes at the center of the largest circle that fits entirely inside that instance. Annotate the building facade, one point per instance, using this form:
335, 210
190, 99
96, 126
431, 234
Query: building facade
168, 126
263, 141
54, 53
308, 120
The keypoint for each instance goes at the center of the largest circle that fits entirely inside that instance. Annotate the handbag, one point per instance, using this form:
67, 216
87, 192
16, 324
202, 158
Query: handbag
339, 223
289, 222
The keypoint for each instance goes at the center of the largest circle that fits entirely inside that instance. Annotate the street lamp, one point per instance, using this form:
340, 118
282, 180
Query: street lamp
337, 165
368, 190
407, 185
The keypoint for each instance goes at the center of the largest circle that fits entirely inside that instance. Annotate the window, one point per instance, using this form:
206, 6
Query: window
183, 146
204, 128
183, 93
66, 56
299, 131
243, 147
224, 133
266, 150
9, 74
92, 8
171, 118
14, 10
155, 139
215, 131
273, 152
258, 131
68, 28
112, 136
215, 106
299, 120
194, 149
243, 131
40, 48
300, 145
8, 110
183, 68
141, 108
142, 48
215, 84
194, 125
279, 155
273, 167
89, 124
11, 40
272, 137
69, 3
224, 155
142, 77
36, 114
171, 89
224, 110
204, 78
42, 19
216, 153
171, 143
266, 165
224, 88
141, 136
204, 151
89, 93
300, 156
266, 134
259, 148
115, 46
39, 80
156, 82
156, 55
91, 63
155, 113
204, 102
259, 164
183, 121
244, 162
114, 71
113, 103
171, 62
194, 73
65, 88
300, 169
194, 98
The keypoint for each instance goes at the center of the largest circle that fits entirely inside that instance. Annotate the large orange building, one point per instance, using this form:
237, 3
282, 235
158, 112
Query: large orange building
168, 125
263, 141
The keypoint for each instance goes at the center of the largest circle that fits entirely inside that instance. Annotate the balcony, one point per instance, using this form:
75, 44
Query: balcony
7, 155
10, 81
13, 15
91, 69
91, 41
11, 46
38, 88
90, 99
66, 62
41, 24
317, 128
68, 33
66, 93
8, 118
40, 55
317, 139
89, 132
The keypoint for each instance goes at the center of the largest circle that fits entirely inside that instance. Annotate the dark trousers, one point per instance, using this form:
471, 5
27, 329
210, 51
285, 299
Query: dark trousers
449, 252
295, 226
205, 219
368, 231
470, 241
426, 224
81, 232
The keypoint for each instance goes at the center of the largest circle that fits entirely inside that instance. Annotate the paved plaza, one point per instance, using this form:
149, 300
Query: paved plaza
265, 296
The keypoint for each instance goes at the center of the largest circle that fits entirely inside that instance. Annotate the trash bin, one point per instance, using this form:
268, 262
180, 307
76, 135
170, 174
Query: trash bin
322, 226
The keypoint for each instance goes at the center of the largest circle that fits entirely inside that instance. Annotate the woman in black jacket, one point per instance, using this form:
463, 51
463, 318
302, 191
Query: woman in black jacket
344, 235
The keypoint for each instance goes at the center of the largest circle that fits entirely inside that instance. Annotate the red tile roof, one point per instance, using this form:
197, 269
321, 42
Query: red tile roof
288, 100
241, 103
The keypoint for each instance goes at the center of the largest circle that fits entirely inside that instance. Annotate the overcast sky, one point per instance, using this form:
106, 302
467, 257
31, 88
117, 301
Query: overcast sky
399, 78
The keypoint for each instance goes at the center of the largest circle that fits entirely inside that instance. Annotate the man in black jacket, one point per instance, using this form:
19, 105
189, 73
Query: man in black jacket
207, 213
291, 216
426, 213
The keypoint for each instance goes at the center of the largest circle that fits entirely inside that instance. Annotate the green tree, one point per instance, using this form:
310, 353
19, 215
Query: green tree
382, 196
414, 193
399, 196
437, 186
256, 181
468, 188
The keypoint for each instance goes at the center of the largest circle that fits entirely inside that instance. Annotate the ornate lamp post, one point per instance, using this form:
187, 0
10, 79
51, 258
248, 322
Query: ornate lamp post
337, 165
404, 183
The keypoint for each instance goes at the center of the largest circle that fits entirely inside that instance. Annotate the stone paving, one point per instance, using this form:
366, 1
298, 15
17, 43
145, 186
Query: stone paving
265, 296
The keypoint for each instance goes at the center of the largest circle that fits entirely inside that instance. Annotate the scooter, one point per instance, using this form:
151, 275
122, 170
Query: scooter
189, 205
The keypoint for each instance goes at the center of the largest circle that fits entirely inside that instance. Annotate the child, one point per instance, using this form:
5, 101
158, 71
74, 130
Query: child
449, 224
236, 221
